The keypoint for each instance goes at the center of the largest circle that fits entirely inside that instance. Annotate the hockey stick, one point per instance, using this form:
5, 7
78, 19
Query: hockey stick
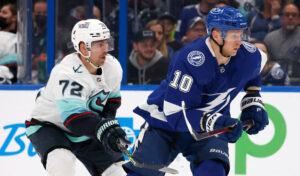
123, 147
200, 136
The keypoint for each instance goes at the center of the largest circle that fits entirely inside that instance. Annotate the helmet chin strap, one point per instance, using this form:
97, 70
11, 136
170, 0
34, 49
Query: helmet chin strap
87, 58
220, 46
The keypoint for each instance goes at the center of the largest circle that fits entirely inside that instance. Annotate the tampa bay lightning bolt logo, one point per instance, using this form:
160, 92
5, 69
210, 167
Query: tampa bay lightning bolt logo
214, 101
95, 103
196, 58
251, 48
216, 11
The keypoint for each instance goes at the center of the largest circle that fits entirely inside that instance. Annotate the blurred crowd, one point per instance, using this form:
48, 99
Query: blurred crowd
156, 29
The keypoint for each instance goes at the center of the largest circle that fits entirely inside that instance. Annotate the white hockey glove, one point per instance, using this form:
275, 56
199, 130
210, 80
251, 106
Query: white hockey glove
5, 75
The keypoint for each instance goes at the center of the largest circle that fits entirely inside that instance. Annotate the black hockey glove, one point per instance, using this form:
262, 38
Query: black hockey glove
217, 121
109, 133
253, 108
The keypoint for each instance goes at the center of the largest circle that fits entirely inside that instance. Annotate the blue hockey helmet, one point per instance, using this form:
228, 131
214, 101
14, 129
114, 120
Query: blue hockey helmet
224, 19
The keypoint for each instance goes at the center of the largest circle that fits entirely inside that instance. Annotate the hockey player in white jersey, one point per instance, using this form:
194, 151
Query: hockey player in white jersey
205, 75
74, 115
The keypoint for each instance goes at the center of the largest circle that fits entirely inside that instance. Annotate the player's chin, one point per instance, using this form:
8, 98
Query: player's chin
233, 53
102, 58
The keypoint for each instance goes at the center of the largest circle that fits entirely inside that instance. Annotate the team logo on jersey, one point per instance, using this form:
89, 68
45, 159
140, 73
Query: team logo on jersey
249, 47
216, 102
96, 102
196, 58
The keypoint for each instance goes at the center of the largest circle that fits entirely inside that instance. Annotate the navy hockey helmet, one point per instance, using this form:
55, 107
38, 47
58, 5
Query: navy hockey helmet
224, 19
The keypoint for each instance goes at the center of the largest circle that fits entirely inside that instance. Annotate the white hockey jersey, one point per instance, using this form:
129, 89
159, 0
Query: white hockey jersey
72, 89
8, 43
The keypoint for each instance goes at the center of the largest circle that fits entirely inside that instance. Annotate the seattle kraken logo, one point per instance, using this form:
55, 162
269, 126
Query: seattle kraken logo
96, 102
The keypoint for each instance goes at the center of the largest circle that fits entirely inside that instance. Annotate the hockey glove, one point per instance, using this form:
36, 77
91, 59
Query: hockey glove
109, 133
5, 75
252, 108
212, 122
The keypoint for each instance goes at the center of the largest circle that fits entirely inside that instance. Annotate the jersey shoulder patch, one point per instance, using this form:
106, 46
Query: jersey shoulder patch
196, 58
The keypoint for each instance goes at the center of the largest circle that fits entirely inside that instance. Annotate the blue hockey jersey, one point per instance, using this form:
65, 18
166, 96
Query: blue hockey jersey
196, 78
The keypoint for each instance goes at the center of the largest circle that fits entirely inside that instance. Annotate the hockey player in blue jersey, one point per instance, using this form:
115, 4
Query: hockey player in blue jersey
206, 75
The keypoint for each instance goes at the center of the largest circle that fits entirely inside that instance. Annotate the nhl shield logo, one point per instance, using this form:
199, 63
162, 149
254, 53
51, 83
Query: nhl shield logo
196, 58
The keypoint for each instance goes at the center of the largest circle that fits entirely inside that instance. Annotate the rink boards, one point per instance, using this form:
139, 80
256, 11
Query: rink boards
272, 152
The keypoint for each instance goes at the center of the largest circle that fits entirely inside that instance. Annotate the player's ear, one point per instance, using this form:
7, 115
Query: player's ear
216, 34
83, 49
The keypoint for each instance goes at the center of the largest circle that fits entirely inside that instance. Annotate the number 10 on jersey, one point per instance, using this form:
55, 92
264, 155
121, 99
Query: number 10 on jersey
185, 84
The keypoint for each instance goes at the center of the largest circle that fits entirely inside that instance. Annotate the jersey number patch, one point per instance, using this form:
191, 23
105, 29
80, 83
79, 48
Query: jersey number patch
75, 87
185, 82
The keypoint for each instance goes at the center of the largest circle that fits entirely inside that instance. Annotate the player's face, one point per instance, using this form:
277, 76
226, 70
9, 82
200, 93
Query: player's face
99, 51
146, 49
233, 41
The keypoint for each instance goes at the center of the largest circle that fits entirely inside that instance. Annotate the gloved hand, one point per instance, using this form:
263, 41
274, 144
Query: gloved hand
5, 75
252, 108
109, 133
217, 121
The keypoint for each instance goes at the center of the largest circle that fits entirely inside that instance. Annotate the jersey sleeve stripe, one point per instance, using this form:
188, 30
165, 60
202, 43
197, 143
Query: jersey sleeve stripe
114, 99
264, 59
66, 124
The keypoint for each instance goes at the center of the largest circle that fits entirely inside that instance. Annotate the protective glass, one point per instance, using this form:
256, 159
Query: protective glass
235, 35
109, 44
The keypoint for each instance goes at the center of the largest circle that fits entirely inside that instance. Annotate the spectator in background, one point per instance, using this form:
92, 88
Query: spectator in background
188, 12
8, 18
284, 43
272, 74
168, 22
8, 42
232, 3
146, 64
162, 46
111, 18
39, 42
264, 20
197, 29
96, 13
